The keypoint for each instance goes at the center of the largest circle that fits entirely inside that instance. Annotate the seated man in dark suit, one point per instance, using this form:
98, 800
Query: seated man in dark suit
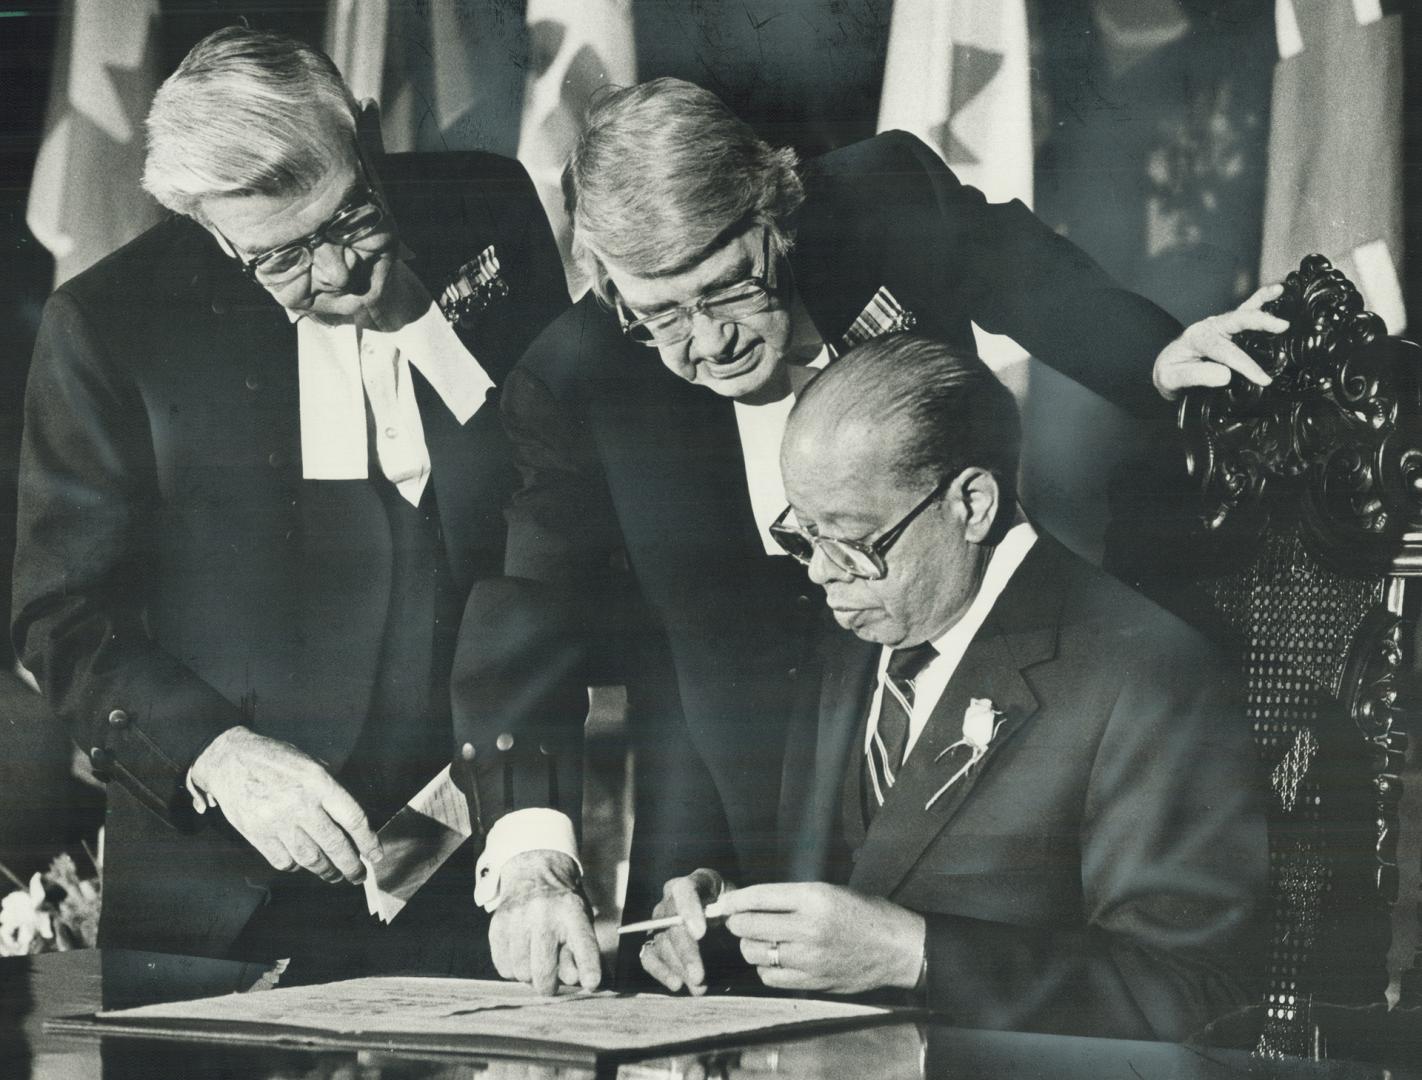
646, 422
1019, 788
262, 466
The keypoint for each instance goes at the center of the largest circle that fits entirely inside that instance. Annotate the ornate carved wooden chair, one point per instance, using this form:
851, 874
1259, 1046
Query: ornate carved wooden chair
1312, 522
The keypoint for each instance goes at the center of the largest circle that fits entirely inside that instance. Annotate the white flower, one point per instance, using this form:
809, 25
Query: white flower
980, 723
23, 918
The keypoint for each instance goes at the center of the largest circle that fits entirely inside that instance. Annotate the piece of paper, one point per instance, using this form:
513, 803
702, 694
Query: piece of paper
482, 1014
416, 841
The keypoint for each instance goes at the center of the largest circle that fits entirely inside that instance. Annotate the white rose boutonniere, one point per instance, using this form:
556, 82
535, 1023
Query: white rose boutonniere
980, 724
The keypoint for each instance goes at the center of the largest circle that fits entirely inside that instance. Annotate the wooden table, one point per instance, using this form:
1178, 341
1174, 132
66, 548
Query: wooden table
33, 988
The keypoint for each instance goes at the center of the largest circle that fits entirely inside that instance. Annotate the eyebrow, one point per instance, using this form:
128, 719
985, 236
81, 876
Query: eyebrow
733, 275
358, 185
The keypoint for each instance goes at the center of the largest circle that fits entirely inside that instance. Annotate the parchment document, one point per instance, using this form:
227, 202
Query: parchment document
485, 1014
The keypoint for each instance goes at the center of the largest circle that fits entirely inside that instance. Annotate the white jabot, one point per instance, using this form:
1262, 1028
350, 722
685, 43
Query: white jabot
950, 646
762, 427
341, 368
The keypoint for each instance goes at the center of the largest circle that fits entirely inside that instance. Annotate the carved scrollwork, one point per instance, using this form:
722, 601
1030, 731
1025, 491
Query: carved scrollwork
1336, 438
1368, 693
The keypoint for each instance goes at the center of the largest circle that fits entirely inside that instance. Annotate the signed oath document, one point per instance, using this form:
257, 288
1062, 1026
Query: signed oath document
471, 1014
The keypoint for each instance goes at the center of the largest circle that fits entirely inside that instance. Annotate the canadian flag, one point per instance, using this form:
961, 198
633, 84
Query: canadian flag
85, 199
1335, 146
956, 75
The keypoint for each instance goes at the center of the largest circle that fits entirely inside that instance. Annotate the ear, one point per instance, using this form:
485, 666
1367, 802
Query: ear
974, 494
368, 133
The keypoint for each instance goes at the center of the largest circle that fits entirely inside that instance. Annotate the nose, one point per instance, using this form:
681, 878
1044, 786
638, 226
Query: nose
823, 570
711, 339
331, 266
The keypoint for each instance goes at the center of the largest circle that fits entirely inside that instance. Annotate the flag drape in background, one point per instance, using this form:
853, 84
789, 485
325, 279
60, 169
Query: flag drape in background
576, 47
85, 198
956, 75
1335, 147
355, 42
469, 75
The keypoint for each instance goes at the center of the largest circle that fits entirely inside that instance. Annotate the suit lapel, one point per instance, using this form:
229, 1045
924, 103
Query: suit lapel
1020, 633
823, 747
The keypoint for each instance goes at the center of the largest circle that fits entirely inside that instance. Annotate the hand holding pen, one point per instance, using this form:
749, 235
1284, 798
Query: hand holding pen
672, 955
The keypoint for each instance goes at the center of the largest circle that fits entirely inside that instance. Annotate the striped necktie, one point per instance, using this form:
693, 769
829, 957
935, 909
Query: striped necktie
886, 748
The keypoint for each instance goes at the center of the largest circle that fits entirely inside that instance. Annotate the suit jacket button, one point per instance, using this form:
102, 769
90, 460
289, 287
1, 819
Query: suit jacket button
467, 751
546, 748
253, 383
802, 599
276, 459
101, 758
505, 741
792, 673
118, 718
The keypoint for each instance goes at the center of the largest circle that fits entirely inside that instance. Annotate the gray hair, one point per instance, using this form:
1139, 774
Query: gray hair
945, 411
247, 112
663, 174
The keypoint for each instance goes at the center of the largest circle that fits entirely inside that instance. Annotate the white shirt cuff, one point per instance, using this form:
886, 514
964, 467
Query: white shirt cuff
536, 828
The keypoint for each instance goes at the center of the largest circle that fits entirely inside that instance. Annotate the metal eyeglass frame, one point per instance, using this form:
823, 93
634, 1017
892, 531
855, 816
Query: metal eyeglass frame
801, 545
761, 282
366, 196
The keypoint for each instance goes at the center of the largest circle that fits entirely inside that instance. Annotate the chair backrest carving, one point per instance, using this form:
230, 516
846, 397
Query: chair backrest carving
1311, 515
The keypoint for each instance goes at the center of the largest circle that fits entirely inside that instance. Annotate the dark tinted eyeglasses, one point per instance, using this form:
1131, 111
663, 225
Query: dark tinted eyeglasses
857, 557
672, 326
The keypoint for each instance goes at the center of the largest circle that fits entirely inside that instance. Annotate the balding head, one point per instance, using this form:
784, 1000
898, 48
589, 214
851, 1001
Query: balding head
908, 452
914, 410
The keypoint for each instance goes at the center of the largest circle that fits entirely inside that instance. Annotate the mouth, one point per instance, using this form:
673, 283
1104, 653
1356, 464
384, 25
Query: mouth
738, 364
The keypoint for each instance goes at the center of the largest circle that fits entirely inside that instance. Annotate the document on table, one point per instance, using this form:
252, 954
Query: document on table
475, 1015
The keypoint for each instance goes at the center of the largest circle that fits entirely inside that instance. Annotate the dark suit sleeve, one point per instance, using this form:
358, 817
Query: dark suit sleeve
562, 526
1040, 289
87, 492
519, 699
1173, 858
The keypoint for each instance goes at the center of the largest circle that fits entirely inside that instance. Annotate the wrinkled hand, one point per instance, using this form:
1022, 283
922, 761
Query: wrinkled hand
1206, 355
827, 937
541, 932
286, 805
672, 956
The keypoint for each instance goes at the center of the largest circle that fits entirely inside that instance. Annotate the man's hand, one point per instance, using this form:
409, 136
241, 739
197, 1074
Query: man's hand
541, 933
672, 957
825, 937
1206, 355
286, 805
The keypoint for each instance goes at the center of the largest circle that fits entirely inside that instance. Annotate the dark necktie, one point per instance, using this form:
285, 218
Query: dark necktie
886, 749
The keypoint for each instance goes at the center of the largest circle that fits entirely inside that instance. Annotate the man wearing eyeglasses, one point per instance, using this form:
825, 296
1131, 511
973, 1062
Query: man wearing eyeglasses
719, 263
1020, 789
262, 468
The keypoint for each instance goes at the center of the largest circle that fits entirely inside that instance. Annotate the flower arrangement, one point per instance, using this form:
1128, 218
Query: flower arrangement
58, 910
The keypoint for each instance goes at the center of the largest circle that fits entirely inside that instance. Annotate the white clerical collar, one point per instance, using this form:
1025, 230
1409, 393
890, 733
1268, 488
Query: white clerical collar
340, 369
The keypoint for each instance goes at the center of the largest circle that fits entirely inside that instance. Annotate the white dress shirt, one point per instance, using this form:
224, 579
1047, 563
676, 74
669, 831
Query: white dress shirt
950, 646
341, 368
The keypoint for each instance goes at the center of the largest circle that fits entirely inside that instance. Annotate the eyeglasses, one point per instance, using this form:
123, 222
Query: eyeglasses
855, 557
360, 217
735, 302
